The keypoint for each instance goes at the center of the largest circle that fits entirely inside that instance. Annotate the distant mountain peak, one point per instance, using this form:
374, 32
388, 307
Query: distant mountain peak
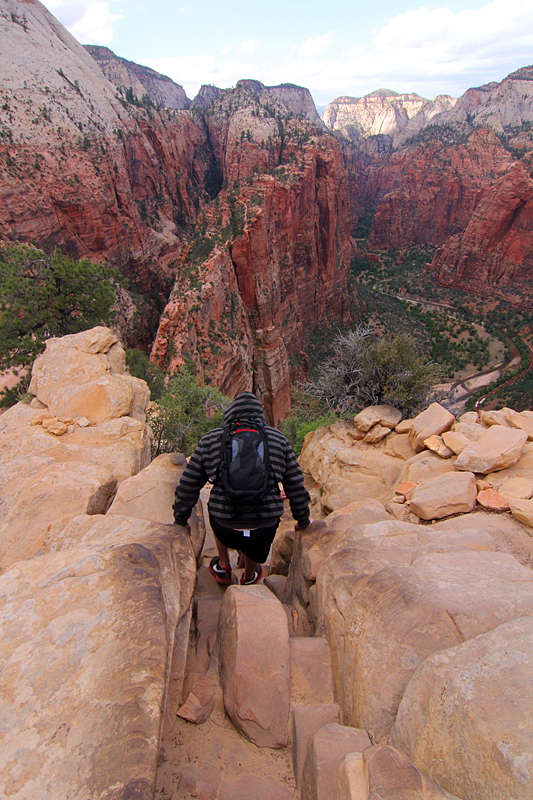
382, 93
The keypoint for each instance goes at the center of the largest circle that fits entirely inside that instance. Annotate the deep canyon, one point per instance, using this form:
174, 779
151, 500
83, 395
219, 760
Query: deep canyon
235, 216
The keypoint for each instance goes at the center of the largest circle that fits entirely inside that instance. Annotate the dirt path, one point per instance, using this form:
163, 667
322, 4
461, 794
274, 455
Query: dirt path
205, 761
511, 380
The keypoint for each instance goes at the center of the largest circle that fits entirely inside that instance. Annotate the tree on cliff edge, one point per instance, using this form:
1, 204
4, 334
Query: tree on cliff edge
365, 371
44, 295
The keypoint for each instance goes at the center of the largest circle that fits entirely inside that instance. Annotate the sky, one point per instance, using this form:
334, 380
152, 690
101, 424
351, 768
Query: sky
333, 47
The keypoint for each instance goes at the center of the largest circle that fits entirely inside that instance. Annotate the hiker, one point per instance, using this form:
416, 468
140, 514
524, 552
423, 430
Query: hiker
248, 518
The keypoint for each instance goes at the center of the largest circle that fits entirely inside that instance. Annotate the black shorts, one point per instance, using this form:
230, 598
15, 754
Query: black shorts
256, 546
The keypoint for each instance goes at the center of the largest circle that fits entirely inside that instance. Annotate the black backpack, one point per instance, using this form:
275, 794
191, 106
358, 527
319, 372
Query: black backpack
245, 467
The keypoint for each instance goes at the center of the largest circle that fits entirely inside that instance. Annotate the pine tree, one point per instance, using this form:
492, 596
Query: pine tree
44, 295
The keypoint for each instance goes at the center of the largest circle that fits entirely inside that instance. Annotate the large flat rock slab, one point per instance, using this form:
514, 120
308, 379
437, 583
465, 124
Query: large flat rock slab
439, 497
39, 495
387, 602
253, 639
498, 449
466, 718
87, 647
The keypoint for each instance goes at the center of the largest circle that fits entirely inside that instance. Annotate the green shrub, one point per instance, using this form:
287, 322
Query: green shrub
183, 413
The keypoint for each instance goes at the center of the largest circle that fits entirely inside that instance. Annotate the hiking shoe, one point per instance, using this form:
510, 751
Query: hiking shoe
221, 576
258, 574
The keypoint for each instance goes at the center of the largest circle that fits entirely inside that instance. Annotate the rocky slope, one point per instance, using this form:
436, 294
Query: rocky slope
141, 82
404, 612
145, 188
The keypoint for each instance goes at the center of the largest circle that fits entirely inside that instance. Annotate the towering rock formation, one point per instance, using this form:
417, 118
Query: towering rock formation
383, 112
141, 82
279, 242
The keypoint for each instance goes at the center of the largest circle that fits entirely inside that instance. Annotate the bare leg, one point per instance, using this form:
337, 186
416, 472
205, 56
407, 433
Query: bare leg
249, 568
223, 555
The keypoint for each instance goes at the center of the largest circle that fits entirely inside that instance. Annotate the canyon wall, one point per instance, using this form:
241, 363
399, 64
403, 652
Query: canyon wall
95, 168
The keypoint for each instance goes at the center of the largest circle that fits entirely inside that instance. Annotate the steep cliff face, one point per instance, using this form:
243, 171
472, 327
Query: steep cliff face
426, 193
496, 105
142, 82
280, 253
494, 255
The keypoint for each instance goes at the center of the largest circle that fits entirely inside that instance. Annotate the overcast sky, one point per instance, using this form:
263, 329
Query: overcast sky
333, 47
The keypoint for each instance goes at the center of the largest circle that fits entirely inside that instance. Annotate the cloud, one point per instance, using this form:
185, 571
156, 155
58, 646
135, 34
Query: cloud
428, 50
90, 21
249, 47
316, 46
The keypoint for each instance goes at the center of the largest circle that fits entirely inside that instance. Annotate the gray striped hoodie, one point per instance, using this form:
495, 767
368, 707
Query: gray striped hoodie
206, 458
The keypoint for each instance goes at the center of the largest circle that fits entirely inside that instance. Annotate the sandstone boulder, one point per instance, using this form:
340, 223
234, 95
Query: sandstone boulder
200, 701
384, 773
399, 446
472, 430
326, 751
82, 375
490, 498
306, 721
404, 426
339, 492
522, 510
498, 449
437, 445
469, 416
466, 718
522, 422
425, 465
433, 421
516, 488
490, 418
451, 493
455, 441
376, 433
386, 416
253, 638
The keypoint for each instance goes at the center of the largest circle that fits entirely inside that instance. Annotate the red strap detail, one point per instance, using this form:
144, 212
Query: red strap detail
250, 430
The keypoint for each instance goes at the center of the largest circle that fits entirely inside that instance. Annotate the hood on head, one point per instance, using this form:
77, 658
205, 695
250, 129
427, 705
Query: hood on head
245, 406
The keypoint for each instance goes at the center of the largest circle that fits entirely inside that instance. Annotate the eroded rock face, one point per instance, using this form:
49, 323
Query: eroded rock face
255, 664
485, 687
